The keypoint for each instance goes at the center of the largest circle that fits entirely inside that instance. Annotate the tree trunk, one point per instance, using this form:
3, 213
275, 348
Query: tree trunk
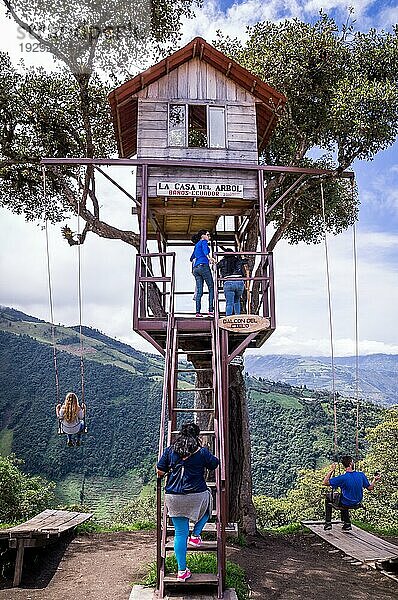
241, 507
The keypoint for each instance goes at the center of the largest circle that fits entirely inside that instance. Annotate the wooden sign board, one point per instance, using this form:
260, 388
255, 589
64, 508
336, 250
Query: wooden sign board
244, 323
203, 190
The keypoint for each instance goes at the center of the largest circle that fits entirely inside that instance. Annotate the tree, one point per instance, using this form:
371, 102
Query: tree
342, 97
21, 496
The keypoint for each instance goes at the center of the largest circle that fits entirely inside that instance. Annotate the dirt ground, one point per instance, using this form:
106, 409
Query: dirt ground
103, 567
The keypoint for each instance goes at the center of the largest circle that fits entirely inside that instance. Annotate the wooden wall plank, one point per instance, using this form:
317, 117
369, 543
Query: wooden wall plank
192, 77
183, 81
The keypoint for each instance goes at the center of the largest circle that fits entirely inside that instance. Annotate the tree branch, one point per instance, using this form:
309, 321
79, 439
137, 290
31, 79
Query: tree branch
53, 49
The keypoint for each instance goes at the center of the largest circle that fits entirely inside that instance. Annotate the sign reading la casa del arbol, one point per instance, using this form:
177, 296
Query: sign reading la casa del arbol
204, 190
244, 323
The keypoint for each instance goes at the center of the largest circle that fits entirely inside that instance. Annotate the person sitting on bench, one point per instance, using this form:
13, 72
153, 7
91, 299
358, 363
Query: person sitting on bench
351, 484
71, 415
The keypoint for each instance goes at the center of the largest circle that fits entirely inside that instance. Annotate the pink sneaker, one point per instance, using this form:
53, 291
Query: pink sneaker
195, 540
184, 575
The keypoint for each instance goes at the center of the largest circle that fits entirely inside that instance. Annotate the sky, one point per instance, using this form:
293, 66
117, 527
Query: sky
301, 297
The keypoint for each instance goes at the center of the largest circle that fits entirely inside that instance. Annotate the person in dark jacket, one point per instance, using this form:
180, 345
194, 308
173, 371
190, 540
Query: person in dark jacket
232, 267
187, 496
200, 260
351, 484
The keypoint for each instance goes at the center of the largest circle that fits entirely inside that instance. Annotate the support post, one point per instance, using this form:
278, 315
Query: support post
263, 223
19, 562
144, 208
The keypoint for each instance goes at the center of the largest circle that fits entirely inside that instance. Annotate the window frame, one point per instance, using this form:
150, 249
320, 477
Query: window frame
208, 106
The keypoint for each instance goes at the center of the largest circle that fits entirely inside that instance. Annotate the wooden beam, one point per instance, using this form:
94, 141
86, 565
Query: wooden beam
197, 212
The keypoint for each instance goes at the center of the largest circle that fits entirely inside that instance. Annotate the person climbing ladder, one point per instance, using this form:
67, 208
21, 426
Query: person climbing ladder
187, 495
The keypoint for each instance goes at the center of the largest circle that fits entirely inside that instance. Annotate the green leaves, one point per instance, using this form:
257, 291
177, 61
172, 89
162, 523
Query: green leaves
342, 94
21, 496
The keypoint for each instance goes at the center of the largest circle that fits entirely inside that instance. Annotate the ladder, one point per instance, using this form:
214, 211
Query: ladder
203, 362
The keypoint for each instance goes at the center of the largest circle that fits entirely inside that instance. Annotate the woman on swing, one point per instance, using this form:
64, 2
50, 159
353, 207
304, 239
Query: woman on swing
71, 416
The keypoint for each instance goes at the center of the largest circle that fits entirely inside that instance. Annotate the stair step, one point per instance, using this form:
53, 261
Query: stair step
193, 409
193, 370
195, 579
231, 529
194, 352
200, 432
204, 547
202, 389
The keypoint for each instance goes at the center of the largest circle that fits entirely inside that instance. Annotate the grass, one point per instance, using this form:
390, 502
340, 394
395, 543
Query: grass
205, 563
95, 527
377, 530
282, 399
285, 529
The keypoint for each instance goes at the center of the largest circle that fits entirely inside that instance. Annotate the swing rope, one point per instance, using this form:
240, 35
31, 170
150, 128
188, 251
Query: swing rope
80, 302
50, 295
329, 294
356, 312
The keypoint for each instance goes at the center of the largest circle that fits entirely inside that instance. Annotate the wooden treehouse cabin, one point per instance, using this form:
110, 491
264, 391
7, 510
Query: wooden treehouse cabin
196, 122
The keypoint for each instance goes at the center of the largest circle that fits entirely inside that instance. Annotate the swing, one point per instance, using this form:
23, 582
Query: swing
60, 430
333, 497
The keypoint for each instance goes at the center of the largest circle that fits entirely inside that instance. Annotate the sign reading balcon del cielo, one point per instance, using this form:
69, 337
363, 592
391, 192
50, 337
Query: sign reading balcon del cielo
204, 190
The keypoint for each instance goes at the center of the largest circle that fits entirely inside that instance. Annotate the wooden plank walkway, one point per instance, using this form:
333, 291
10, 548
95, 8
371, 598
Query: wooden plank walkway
361, 545
38, 532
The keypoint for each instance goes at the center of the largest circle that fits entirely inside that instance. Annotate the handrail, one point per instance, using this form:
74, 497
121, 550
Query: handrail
170, 337
219, 441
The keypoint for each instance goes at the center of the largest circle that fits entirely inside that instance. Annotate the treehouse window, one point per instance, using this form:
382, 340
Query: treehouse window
197, 126
177, 125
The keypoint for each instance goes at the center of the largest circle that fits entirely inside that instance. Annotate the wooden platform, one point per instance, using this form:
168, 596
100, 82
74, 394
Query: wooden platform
361, 545
39, 531
140, 592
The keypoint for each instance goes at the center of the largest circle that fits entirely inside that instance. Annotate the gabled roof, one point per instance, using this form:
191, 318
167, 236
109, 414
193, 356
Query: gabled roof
124, 104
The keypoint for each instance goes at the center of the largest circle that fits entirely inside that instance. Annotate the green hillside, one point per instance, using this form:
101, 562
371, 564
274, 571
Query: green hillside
291, 427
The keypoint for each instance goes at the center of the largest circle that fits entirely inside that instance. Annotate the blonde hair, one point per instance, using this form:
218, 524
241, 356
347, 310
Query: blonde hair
71, 407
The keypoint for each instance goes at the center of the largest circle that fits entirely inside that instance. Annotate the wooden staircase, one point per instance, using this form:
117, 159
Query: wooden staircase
179, 402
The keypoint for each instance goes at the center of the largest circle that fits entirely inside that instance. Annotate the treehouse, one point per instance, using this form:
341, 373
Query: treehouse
200, 107
197, 122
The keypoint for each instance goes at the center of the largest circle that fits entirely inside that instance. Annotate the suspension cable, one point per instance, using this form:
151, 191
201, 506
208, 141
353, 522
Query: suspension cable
356, 312
50, 293
335, 441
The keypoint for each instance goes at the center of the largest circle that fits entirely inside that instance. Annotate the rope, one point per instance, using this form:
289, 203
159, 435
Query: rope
50, 296
355, 261
335, 444
79, 287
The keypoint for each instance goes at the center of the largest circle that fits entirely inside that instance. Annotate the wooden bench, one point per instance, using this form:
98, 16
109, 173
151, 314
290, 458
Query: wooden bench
38, 532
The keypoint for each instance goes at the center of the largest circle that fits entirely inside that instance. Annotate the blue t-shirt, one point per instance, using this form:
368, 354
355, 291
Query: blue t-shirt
186, 476
200, 255
351, 485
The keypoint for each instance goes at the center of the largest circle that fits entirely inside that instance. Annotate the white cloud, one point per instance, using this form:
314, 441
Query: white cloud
210, 18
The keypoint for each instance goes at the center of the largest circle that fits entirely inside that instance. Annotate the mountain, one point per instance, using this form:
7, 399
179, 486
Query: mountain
123, 390
378, 374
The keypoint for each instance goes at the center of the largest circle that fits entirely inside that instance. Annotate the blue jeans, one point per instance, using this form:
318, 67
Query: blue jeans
78, 434
202, 273
181, 527
233, 291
